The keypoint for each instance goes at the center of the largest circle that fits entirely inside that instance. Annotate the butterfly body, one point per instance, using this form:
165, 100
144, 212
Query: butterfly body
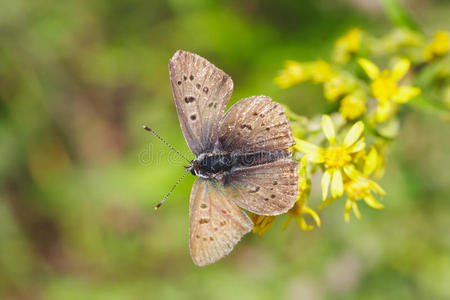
221, 165
241, 156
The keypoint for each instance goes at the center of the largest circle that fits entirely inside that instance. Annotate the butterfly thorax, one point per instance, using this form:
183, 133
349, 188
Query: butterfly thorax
213, 165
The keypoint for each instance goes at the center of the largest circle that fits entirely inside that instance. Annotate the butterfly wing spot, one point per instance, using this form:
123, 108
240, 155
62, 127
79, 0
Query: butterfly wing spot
198, 86
205, 90
272, 196
211, 238
266, 199
205, 239
262, 115
197, 236
255, 190
191, 77
193, 117
275, 183
184, 77
255, 113
179, 82
210, 104
203, 221
223, 223
224, 211
249, 127
189, 99
267, 128
203, 205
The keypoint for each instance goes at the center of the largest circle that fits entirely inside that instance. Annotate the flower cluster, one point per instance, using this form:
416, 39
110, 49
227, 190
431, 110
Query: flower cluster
347, 148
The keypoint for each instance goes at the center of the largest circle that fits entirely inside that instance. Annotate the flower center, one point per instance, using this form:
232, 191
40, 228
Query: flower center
384, 87
357, 189
336, 157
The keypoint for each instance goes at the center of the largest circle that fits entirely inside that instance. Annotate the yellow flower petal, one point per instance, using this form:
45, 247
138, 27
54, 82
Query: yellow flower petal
356, 147
314, 215
384, 111
337, 186
353, 134
293, 73
370, 68
326, 202
405, 93
321, 72
314, 153
348, 207
302, 224
328, 129
370, 200
351, 171
325, 183
378, 189
400, 69
356, 210
371, 162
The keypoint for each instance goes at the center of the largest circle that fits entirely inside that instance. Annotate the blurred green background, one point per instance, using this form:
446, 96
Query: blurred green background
79, 177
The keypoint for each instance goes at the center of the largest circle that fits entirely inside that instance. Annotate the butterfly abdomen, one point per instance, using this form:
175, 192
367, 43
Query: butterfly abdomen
208, 165
258, 158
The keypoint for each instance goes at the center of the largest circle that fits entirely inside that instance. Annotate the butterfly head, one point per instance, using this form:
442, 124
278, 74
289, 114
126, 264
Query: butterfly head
192, 167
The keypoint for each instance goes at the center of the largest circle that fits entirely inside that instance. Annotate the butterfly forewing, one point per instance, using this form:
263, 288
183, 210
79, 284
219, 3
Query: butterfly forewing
255, 124
269, 189
216, 223
201, 92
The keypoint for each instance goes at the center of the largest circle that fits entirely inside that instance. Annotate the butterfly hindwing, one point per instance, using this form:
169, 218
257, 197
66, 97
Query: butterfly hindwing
201, 92
216, 223
255, 124
268, 189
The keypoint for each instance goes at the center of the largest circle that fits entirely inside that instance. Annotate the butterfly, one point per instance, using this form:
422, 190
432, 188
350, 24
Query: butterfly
241, 156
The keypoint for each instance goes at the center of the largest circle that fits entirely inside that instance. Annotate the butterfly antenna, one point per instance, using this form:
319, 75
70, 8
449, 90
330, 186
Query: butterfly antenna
167, 144
171, 190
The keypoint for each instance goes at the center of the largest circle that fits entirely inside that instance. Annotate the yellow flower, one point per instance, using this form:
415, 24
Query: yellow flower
334, 158
440, 45
346, 45
321, 71
398, 38
353, 106
300, 207
261, 223
385, 87
292, 74
337, 86
358, 187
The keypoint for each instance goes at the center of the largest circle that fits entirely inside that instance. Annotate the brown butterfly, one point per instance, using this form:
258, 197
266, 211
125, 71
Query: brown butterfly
241, 157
